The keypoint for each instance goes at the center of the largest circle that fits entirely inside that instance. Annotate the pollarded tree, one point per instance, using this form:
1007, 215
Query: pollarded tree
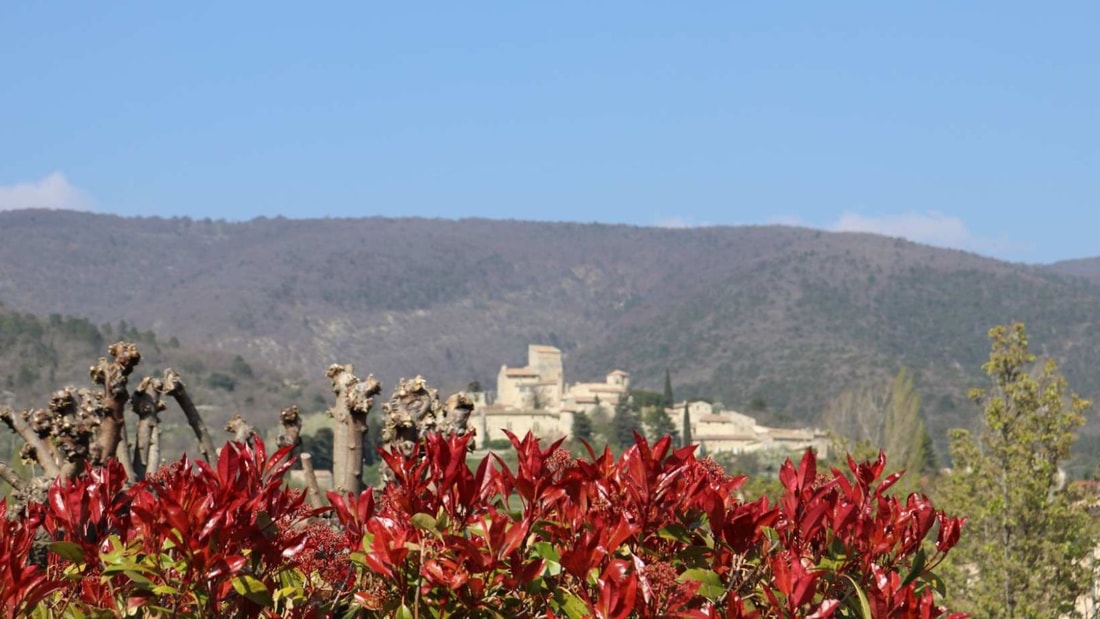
1025, 550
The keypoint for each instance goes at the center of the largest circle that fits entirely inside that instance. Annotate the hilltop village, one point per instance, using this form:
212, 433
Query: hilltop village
535, 398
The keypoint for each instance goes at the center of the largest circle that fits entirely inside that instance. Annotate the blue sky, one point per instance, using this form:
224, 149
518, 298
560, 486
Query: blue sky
972, 125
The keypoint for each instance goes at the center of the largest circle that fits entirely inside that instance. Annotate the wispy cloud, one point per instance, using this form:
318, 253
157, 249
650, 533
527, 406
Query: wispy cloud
931, 228
53, 191
678, 222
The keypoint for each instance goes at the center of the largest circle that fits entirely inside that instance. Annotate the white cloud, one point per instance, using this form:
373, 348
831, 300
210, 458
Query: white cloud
53, 192
679, 222
931, 228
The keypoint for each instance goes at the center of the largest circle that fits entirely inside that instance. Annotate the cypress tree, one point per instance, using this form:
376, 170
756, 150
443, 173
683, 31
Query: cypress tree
685, 434
668, 389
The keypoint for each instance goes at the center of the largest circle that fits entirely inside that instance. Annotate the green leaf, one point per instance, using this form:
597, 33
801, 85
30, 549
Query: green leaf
711, 587
937, 584
69, 550
425, 522
140, 579
695, 555
547, 551
442, 520
918, 567
165, 590
674, 532
253, 589
864, 605
404, 612
571, 605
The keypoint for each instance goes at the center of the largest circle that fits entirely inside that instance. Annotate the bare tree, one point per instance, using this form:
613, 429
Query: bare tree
88, 426
354, 399
414, 411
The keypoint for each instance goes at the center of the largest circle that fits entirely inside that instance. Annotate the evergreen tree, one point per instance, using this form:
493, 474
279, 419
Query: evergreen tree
1024, 550
582, 427
930, 463
685, 433
658, 425
623, 425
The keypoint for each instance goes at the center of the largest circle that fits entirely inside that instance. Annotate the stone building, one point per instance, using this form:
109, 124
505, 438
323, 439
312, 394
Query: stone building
535, 398
737, 433
538, 385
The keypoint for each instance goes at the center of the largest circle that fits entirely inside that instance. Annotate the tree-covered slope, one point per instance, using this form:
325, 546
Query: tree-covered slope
784, 316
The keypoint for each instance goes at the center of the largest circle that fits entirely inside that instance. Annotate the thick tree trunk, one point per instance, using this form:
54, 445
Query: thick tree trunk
354, 399
146, 403
112, 376
174, 387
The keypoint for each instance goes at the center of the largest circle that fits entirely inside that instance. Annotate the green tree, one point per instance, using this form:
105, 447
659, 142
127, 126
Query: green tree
582, 427
646, 399
1025, 547
658, 424
624, 424
685, 433
886, 417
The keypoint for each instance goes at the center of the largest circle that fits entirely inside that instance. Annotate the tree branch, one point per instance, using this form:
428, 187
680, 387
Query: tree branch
41, 451
9, 475
173, 386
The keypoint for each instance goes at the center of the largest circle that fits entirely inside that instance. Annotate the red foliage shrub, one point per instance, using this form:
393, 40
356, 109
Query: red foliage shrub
654, 533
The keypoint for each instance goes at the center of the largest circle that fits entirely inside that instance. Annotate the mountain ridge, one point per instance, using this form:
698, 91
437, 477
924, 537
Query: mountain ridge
779, 315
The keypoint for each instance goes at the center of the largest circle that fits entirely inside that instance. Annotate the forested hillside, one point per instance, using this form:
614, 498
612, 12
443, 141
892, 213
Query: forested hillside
778, 317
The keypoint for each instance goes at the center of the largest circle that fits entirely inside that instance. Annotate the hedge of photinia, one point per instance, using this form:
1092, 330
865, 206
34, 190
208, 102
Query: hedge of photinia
656, 532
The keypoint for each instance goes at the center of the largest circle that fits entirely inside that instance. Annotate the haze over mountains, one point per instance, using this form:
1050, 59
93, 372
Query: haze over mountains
788, 317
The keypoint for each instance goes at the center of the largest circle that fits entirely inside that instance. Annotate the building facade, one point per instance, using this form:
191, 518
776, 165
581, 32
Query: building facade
535, 398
